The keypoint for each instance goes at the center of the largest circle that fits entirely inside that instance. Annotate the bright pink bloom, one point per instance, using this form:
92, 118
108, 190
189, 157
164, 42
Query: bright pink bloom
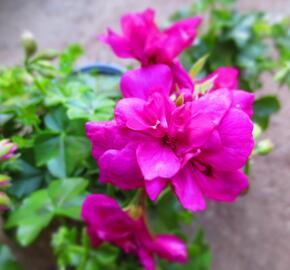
107, 221
225, 77
198, 148
143, 40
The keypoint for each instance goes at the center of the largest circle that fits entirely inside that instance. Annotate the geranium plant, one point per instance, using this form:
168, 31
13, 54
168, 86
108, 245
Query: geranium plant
110, 168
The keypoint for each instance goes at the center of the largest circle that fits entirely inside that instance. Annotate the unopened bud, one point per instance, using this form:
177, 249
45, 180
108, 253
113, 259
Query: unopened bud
28, 43
4, 201
135, 211
257, 131
48, 55
4, 181
180, 100
7, 149
263, 147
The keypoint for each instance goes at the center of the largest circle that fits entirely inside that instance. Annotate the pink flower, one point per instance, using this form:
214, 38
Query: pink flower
107, 221
7, 149
143, 40
225, 77
198, 147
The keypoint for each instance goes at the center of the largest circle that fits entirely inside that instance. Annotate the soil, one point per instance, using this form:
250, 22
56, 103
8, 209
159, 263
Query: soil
253, 233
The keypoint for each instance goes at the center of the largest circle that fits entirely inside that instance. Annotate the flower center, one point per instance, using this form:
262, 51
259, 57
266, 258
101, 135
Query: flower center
171, 142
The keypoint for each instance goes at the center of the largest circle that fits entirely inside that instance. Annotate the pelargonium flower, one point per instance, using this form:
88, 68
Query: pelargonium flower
143, 40
108, 222
198, 148
7, 149
224, 77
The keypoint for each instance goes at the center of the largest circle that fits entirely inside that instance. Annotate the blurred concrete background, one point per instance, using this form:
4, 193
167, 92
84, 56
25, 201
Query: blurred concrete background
254, 233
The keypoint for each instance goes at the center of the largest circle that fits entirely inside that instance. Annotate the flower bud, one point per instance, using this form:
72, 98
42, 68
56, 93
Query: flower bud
134, 211
7, 149
263, 147
4, 181
48, 55
28, 43
4, 201
180, 100
257, 132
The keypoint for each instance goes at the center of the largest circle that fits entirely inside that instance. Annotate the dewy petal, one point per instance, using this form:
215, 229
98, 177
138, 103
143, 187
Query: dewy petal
223, 186
171, 248
105, 135
235, 132
155, 187
120, 168
144, 81
187, 190
243, 100
157, 160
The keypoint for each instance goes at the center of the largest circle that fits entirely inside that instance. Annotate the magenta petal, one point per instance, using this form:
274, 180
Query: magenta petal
214, 104
119, 44
235, 132
243, 100
120, 168
129, 112
198, 130
181, 76
171, 248
155, 187
226, 77
147, 259
187, 190
157, 160
170, 43
144, 81
105, 135
223, 186
105, 220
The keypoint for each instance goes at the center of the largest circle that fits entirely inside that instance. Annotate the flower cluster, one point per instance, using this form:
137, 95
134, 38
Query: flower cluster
166, 132
7, 150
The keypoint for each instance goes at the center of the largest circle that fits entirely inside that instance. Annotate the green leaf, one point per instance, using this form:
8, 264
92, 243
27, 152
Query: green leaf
204, 87
68, 58
62, 198
7, 260
56, 120
197, 67
71, 153
264, 107
65, 196
47, 147
90, 107
27, 179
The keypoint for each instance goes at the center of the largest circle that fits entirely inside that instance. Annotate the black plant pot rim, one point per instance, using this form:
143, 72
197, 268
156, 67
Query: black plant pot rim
101, 68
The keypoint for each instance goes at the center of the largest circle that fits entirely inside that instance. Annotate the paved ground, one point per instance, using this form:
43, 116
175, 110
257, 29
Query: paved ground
254, 233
